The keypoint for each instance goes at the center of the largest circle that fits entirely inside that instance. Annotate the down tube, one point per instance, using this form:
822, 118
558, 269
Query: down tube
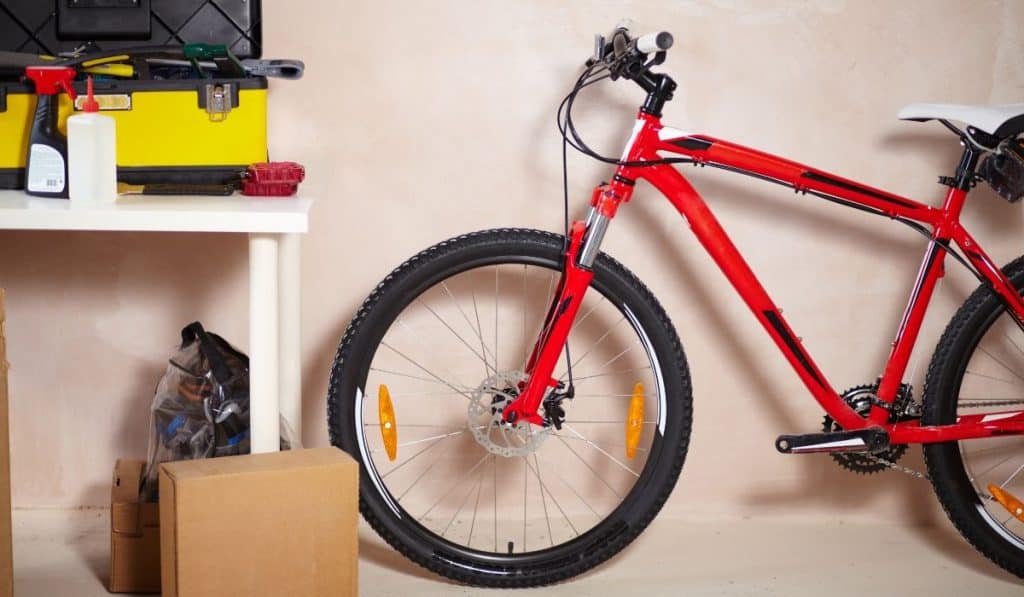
717, 243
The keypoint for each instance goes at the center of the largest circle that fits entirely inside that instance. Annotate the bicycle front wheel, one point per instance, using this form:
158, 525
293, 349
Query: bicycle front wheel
978, 368
424, 371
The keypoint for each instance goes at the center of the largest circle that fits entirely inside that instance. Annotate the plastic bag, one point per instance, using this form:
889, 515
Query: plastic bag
201, 405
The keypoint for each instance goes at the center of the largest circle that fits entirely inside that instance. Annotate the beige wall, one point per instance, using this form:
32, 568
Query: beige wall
421, 120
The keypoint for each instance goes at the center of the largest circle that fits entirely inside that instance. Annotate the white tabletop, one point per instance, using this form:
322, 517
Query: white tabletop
152, 213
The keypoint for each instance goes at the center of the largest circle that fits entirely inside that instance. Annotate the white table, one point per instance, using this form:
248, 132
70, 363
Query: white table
274, 227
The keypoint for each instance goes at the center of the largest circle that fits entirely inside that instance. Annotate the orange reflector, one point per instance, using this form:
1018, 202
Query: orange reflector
1008, 500
388, 426
635, 420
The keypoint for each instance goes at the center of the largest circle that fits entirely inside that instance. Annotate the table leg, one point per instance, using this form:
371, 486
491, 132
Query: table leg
291, 338
264, 363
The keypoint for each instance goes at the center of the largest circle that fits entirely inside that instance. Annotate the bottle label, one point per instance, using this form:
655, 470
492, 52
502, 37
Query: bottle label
46, 170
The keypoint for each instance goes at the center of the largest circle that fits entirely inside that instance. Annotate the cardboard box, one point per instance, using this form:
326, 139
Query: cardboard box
267, 524
6, 561
134, 533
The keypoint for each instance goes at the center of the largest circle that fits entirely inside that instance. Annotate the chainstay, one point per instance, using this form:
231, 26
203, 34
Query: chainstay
918, 474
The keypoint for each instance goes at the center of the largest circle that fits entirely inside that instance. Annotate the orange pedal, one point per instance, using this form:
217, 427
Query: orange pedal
1008, 500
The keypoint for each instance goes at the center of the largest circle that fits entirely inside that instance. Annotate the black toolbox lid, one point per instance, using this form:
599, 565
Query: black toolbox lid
56, 26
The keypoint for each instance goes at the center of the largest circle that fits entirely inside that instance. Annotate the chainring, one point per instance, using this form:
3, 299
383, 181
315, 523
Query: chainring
859, 398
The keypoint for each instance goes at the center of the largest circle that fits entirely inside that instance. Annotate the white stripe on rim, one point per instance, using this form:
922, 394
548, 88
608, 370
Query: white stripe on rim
654, 365
367, 461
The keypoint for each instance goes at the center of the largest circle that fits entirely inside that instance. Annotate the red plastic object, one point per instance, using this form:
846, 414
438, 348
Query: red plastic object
51, 80
273, 179
90, 105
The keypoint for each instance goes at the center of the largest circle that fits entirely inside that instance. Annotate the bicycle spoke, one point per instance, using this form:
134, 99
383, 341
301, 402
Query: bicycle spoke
525, 477
413, 457
476, 508
494, 463
593, 346
618, 356
633, 370
1002, 364
389, 372
404, 425
543, 500
1014, 344
599, 449
452, 330
480, 332
578, 496
402, 394
584, 317
1006, 381
576, 422
465, 500
453, 487
613, 446
420, 441
483, 348
1010, 478
496, 365
425, 370
425, 471
587, 464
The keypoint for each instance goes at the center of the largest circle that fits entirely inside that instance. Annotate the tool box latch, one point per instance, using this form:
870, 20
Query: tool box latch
218, 101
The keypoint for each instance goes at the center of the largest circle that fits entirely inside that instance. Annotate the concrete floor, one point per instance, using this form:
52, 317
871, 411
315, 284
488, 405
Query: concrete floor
64, 553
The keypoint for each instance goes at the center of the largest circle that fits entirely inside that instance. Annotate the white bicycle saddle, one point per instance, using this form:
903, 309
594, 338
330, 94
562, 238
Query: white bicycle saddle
1001, 121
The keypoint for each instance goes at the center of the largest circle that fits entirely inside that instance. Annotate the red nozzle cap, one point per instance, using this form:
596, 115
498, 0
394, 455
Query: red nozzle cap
90, 104
51, 80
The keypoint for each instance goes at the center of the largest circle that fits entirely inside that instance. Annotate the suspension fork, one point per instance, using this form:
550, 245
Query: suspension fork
584, 245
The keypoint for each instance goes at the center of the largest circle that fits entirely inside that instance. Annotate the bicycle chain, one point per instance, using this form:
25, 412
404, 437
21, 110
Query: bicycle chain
915, 473
897, 467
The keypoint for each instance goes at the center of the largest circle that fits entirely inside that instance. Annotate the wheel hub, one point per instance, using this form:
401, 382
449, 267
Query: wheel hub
485, 418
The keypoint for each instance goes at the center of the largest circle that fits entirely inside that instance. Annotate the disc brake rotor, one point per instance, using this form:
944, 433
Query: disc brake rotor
485, 421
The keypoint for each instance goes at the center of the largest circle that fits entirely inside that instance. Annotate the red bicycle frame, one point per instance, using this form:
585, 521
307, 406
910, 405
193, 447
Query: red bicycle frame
647, 143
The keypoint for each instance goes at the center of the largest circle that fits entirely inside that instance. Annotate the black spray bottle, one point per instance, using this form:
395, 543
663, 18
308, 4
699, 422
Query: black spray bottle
46, 164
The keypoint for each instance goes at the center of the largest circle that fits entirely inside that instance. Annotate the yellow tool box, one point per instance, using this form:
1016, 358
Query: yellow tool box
181, 117
204, 131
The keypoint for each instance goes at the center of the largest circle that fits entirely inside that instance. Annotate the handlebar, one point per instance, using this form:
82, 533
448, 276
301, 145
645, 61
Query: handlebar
626, 56
630, 58
654, 42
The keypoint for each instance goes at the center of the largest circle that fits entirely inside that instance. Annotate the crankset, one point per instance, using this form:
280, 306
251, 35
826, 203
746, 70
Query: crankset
862, 450
861, 398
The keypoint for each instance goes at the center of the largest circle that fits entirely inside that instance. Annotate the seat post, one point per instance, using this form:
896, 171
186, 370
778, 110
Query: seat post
964, 178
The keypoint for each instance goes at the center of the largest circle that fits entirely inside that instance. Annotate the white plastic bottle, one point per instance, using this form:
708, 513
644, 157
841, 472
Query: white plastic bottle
92, 153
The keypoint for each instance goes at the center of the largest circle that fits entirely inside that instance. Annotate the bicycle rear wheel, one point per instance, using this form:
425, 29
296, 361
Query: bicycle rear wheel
978, 368
417, 389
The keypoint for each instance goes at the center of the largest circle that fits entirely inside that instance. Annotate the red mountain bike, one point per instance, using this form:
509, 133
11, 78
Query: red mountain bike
542, 394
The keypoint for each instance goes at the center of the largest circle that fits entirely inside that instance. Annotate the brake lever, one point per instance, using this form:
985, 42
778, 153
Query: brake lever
599, 50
